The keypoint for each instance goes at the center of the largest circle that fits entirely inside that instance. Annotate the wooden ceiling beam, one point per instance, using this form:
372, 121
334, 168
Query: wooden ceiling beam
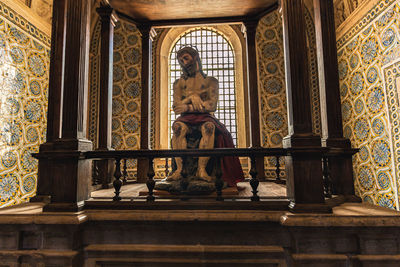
200, 21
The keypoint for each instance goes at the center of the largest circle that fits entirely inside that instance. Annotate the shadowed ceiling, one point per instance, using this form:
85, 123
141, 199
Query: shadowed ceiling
190, 9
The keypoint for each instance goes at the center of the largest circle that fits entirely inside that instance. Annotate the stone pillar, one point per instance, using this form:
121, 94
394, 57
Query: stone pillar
108, 20
54, 113
147, 36
341, 170
303, 166
254, 96
68, 172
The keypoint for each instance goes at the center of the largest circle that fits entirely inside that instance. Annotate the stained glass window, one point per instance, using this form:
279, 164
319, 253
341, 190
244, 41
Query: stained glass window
217, 58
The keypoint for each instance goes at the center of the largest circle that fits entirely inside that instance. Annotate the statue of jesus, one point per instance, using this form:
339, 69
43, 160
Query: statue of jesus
195, 98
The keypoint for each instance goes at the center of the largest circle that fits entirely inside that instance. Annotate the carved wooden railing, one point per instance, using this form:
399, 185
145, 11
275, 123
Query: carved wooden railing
332, 185
120, 157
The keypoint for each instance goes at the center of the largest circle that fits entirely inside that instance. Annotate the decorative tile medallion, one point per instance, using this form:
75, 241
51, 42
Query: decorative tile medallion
126, 87
24, 65
373, 95
272, 81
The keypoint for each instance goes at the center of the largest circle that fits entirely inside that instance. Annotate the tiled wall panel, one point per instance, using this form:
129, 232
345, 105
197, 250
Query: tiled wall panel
24, 64
126, 88
271, 68
368, 69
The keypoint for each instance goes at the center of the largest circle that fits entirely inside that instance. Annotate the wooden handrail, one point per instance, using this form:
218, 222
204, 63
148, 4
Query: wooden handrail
164, 153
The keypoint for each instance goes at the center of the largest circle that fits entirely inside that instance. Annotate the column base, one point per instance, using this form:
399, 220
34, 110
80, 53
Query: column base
41, 198
296, 140
67, 176
310, 208
73, 144
340, 199
336, 142
304, 171
65, 207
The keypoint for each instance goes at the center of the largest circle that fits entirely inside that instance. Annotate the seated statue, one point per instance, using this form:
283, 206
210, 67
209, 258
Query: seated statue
195, 98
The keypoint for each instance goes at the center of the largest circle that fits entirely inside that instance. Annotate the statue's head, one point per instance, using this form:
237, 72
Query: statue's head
189, 59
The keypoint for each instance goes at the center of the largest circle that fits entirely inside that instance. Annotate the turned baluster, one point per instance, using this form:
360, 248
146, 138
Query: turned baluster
219, 183
166, 167
326, 178
184, 180
125, 173
117, 182
150, 181
254, 182
95, 173
277, 170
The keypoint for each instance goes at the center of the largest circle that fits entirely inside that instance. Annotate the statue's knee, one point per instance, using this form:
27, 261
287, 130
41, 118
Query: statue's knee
179, 129
208, 128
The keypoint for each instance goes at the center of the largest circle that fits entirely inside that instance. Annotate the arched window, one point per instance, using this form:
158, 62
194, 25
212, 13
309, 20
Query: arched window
218, 60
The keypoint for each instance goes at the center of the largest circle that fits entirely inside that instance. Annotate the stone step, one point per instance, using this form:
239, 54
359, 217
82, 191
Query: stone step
183, 255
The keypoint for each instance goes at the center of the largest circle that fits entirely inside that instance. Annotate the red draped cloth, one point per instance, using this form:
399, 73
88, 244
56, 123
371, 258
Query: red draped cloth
232, 172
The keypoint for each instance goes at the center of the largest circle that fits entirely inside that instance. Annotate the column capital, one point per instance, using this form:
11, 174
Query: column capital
251, 25
144, 29
107, 13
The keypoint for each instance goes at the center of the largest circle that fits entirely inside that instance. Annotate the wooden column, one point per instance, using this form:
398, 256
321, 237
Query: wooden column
331, 115
108, 20
70, 174
56, 77
145, 101
75, 74
56, 73
254, 96
303, 166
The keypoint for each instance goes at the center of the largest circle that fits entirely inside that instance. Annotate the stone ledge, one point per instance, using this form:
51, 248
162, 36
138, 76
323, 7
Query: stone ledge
183, 248
339, 221
197, 255
184, 215
40, 252
347, 215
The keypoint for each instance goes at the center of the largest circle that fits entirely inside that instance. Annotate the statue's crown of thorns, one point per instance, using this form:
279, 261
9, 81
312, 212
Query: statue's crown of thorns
191, 49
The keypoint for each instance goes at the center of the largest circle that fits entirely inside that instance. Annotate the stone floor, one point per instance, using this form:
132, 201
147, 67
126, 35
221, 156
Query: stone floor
266, 190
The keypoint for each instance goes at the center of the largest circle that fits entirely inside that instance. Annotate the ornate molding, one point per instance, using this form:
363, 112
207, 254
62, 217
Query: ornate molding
20, 7
360, 17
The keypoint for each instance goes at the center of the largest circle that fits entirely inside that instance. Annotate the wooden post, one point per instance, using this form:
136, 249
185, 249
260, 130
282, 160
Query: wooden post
108, 20
147, 36
70, 174
304, 165
254, 99
331, 115
54, 113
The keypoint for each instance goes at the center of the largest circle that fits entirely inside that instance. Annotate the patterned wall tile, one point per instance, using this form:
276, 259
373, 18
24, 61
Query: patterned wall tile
24, 64
272, 82
361, 25
392, 93
126, 88
368, 102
